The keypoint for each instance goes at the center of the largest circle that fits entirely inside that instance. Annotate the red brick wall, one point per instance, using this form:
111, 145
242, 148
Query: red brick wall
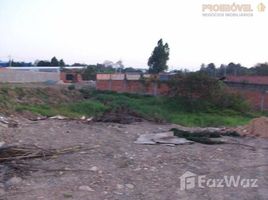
253, 97
117, 86
103, 85
132, 87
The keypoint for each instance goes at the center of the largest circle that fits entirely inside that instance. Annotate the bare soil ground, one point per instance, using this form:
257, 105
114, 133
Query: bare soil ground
116, 168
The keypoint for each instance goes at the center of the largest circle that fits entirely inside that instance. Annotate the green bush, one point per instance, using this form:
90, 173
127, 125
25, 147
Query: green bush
71, 87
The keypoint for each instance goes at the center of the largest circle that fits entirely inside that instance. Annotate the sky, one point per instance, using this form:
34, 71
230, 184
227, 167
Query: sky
92, 31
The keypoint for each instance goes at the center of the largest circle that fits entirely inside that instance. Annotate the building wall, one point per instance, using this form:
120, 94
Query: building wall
257, 99
256, 95
132, 86
14, 76
76, 77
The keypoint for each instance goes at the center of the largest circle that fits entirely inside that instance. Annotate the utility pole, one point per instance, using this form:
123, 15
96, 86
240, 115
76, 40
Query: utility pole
10, 61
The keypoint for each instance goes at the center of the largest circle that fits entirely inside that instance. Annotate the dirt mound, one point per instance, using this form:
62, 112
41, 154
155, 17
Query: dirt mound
257, 127
120, 115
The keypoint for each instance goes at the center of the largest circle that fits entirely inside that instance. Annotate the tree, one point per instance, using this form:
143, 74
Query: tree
54, 61
20, 64
158, 60
61, 63
209, 70
43, 63
89, 73
260, 69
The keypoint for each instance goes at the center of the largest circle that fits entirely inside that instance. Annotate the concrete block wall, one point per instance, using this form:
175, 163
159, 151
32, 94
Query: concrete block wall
17, 76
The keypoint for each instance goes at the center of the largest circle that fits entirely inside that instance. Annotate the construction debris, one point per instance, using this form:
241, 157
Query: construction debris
257, 128
5, 122
204, 136
161, 138
181, 136
59, 117
15, 152
120, 115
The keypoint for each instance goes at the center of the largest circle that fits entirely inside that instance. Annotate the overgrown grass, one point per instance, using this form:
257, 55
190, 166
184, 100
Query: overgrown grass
174, 110
74, 110
161, 108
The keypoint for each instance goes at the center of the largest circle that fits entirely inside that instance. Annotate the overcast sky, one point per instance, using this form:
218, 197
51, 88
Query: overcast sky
91, 31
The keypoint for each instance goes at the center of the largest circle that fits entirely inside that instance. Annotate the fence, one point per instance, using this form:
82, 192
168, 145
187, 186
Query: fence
131, 83
15, 76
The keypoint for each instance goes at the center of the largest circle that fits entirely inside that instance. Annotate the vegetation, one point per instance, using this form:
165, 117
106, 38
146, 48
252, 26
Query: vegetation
174, 110
74, 104
260, 69
151, 108
72, 110
54, 62
158, 60
198, 88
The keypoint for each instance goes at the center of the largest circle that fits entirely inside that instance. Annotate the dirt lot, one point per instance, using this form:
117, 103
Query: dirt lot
116, 168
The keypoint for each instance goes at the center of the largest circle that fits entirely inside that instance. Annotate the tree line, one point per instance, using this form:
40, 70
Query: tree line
157, 63
233, 69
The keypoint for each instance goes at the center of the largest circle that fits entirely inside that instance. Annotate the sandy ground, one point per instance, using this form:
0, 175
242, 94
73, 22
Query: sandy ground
115, 168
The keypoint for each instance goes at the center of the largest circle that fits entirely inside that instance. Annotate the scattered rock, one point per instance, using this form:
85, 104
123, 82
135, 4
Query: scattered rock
94, 169
5, 122
83, 117
2, 192
2, 144
89, 119
161, 138
14, 181
119, 186
130, 186
86, 188
59, 117
65, 195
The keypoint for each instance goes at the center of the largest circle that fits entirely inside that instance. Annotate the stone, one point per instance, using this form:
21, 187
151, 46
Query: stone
94, 169
130, 186
2, 143
59, 117
119, 186
161, 138
14, 181
2, 192
86, 188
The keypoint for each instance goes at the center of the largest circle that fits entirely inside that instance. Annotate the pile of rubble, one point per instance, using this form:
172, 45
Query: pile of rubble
257, 127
